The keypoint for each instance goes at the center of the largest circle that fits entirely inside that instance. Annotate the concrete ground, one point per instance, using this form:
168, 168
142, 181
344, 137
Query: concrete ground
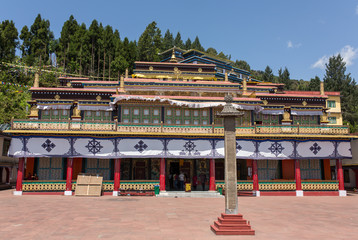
62, 217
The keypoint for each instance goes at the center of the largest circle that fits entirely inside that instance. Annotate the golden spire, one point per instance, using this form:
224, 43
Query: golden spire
173, 58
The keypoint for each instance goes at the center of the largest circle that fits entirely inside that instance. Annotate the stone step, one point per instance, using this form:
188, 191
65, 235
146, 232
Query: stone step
231, 216
231, 231
194, 194
232, 221
221, 226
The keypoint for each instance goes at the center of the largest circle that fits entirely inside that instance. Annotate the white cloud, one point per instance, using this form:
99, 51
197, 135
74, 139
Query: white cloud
348, 53
290, 44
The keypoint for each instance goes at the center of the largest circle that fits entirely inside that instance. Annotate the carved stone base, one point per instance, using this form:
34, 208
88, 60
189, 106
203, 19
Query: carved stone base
232, 224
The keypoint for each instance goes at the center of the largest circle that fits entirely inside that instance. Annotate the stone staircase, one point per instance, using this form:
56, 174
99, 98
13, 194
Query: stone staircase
193, 194
232, 224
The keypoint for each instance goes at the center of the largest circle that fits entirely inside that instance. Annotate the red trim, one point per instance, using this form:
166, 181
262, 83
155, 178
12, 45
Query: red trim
278, 193
162, 175
42, 193
20, 174
327, 193
69, 174
117, 174
212, 185
298, 175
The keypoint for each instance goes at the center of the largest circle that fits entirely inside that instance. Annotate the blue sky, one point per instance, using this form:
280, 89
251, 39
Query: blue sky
300, 35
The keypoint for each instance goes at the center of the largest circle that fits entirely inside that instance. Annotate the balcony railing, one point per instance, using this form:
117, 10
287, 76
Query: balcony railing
114, 126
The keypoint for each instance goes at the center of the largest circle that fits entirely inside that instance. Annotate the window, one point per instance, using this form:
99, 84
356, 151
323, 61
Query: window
187, 113
98, 114
205, 122
98, 166
145, 120
177, 122
46, 113
88, 113
332, 120
187, 122
135, 120
50, 169
311, 169
196, 122
126, 120
136, 111
64, 112
196, 113
126, 111
155, 121
177, 112
169, 121
5, 147
331, 103
156, 112
205, 113
55, 112
169, 112
146, 112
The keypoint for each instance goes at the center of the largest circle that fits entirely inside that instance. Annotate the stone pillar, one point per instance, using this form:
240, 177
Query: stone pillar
68, 191
162, 175
212, 185
299, 192
255, 179
20, 176
342, 192
117, 176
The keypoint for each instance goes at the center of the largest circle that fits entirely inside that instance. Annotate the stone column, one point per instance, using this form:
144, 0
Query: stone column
299, 192
342, 192
229, 113
20, 176
162, 175
117, 176
68, 191
212, 185
255, 179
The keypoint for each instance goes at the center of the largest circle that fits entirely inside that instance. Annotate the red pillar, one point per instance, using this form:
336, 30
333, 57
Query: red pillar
162, 175
340, 174
298, 175
20, 176
69, 176
117, 176
212, 185
255, 178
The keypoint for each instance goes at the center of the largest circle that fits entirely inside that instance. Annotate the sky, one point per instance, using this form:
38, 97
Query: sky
300, 35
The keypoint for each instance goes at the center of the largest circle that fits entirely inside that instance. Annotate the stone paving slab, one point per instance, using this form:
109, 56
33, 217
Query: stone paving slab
68, 217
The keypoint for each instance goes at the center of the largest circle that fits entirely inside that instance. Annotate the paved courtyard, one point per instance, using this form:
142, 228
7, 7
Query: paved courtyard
61, 217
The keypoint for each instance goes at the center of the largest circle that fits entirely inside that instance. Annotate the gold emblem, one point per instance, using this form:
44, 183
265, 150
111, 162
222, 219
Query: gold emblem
265, 102
98, 98
200, 70
69, 84
304, 103
57, 97
150, 68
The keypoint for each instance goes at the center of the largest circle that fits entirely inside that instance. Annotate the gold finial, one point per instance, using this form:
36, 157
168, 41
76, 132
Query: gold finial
37, 80
321, 85
244, 86
126, 73
226, 77
173, 58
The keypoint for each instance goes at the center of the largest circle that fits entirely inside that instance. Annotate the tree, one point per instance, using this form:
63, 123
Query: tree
8, 40
168, 41
314, 84
178, 42
197, 45
242, 65
268, 75
284, 77
336, 79
188, 44
94, 35
150, 43
211, 51
25, 36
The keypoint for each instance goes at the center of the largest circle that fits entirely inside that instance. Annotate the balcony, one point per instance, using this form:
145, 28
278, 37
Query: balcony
114, 126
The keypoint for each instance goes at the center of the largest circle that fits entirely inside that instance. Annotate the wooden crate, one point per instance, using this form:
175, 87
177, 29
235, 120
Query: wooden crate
89, 185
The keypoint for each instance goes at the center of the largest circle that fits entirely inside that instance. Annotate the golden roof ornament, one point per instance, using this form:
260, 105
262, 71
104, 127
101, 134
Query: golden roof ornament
57, 97
98, 98
304, 103
173, 58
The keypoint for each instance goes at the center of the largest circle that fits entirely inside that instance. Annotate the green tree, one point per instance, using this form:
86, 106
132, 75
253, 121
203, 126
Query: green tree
94, 35
314, 84
178, 42
8, 40
242, 65
211, 51
268, 75
25, 36
188, 44
197, 45
336, 79
150, 44
284, 77
168, 41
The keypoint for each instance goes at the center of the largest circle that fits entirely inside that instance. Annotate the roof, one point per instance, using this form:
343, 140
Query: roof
181, 82
314, 93
176, 64
75, 89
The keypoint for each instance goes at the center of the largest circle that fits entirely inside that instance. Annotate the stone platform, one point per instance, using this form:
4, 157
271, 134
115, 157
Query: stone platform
193, 194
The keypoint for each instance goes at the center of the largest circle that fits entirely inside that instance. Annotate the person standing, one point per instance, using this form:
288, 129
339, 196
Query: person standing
203, 180
181, 181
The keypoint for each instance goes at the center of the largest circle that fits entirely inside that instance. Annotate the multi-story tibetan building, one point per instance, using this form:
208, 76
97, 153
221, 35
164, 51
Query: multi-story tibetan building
145, 129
